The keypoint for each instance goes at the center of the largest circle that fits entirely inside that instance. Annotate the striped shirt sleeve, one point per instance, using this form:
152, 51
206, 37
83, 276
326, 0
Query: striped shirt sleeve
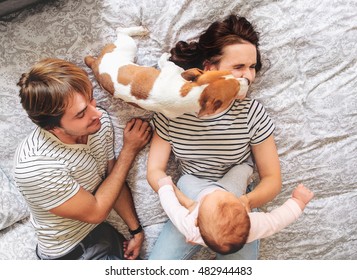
260, 124
46, 182
161, 124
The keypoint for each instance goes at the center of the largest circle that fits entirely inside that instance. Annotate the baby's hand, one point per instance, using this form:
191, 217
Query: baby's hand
302, 194
165, 181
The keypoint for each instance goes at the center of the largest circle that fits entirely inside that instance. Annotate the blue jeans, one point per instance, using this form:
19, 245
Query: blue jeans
171, 244
104, 242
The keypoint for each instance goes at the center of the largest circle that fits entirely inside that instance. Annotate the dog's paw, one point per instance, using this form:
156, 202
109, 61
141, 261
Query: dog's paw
133, 31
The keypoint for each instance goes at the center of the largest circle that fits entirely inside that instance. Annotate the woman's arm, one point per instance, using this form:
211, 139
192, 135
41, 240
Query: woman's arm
159, 155
267, 161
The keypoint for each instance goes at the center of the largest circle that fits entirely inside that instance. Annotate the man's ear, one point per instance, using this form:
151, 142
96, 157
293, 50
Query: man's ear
55, 130
191, 74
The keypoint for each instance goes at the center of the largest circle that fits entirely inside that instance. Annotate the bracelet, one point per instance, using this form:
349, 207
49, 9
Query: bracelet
136, 231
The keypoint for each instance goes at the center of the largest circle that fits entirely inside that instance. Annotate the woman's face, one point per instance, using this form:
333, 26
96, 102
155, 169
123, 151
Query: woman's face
239, 58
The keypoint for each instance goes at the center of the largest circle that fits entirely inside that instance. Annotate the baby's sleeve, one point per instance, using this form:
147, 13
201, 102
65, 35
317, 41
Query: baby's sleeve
266, 224
174, 210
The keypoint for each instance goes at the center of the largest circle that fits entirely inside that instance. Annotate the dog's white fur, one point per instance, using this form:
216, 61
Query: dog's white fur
166, 94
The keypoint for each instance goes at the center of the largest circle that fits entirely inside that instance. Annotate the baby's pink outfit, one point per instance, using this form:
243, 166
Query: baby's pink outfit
261, 224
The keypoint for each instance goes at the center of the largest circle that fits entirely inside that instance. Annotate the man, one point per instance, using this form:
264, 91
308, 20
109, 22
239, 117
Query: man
66, 168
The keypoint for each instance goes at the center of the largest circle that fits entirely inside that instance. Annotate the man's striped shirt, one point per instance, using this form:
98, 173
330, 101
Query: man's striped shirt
49, 172
208, 147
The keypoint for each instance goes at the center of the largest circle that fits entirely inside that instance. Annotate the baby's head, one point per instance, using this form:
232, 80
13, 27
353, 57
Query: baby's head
223, 222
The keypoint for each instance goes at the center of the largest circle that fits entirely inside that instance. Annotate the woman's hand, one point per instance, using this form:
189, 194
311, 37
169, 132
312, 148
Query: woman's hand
245, 201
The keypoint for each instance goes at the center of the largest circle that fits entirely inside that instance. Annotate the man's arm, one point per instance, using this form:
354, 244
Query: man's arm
94, 208
124, 206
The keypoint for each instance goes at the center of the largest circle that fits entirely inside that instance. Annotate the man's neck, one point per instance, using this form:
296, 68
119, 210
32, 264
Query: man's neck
70, 139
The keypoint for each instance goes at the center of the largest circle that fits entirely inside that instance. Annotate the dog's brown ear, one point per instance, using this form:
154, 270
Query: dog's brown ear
191, 74
89, 60
209, 107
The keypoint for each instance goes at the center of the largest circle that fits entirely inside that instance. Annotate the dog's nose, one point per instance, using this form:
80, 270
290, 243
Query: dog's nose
244, 81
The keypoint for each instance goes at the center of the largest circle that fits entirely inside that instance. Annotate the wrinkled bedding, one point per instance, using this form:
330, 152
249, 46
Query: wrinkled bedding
307, 84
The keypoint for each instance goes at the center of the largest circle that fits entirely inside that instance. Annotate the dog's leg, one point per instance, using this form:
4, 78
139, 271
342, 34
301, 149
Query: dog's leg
133, 31
125, 43
164, 60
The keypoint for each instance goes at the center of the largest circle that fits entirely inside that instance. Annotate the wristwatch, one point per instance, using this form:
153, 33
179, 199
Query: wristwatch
136, 231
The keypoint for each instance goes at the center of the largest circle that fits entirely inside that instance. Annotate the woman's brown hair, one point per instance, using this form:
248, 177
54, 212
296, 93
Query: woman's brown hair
209, 47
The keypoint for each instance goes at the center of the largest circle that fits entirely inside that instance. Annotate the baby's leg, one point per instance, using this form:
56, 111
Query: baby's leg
191, 186
236, 179
172, 245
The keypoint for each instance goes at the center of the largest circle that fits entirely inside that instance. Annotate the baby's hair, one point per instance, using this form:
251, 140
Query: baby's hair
230, 231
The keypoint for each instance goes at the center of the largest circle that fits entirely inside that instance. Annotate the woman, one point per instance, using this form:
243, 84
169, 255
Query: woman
217, 149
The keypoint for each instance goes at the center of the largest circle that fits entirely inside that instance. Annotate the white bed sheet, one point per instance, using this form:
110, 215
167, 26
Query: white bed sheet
307, 84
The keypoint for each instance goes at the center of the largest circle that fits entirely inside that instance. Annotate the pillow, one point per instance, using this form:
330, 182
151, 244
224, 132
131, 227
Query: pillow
13, 207
18, 241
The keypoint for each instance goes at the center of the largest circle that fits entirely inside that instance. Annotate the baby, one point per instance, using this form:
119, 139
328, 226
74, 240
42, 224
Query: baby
220, 220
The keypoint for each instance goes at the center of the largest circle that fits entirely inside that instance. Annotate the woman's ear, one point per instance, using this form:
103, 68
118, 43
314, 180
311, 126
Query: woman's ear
208, 66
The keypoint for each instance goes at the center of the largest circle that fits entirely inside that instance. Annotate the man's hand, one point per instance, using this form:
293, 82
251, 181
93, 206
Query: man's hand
133, 246
137, 134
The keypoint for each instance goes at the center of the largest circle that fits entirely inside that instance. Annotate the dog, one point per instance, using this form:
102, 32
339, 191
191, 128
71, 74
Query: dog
170, 90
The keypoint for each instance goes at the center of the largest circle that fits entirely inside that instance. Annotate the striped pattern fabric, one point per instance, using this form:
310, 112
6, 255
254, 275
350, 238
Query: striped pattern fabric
208, 147
49, 172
